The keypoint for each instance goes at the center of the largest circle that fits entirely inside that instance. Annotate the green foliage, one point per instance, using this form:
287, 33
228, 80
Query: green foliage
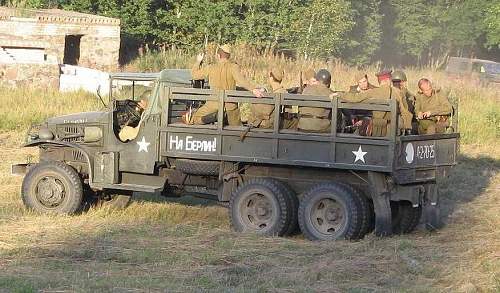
492, 25
360, 32
366, 34
318, 29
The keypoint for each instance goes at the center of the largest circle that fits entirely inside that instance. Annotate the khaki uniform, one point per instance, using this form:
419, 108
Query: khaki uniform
224, 75
440, 109
262, 115
311, 118
381, 120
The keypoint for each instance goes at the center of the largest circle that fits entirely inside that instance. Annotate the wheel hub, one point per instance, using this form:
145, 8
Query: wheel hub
50, 191
257, 211
327, 216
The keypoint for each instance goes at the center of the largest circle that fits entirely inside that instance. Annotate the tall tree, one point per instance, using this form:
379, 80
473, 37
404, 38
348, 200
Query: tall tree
365, 37
318, 29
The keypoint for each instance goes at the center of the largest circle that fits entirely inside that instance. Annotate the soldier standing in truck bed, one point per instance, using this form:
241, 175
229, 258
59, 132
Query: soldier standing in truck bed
262, 115
432, 108
224, 75
381, 120
314, 119
399, 80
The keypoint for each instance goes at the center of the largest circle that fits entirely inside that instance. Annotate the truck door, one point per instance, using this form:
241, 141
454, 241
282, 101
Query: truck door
140, 155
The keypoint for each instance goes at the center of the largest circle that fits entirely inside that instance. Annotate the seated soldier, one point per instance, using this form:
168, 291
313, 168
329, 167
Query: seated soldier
224, 75
314, 119
381, 120
363, 84
432, 109
262, 115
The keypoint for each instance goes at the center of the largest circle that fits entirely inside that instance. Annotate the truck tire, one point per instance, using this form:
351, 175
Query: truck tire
405, 217
196, 167
260, 206
330, 211
293, 207
52, 187
367, 215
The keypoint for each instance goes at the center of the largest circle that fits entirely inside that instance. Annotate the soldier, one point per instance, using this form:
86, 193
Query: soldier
385, 91
262, 115
306, 78
399, 81
432, 109
363, 84
224, 75
312, 119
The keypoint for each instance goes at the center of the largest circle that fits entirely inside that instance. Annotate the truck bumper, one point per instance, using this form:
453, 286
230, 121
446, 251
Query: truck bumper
19, 169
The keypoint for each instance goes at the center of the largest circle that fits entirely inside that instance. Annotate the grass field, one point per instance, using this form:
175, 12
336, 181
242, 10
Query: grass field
186, 244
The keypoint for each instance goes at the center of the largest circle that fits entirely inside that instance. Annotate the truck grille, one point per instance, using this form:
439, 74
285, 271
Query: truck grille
77, 155
68, 133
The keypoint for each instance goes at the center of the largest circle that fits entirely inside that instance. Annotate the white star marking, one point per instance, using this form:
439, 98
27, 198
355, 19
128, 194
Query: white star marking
143, 145
360, 155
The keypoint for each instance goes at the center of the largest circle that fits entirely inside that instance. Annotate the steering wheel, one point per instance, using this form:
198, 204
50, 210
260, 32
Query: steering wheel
133, 110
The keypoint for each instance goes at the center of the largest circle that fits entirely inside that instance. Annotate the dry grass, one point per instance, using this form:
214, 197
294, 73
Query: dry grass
186, 245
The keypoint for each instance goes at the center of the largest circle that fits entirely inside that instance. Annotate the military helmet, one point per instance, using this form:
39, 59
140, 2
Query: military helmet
324, 76
399, 75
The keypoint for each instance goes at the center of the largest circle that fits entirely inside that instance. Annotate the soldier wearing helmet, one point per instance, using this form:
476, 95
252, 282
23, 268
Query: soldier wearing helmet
313, 119
400, 81
224, 75
381, 120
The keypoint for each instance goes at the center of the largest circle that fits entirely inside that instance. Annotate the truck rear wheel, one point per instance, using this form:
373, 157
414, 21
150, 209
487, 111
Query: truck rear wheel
330, 211
367, 215
52, 187
405, 217
293, 207
260, 206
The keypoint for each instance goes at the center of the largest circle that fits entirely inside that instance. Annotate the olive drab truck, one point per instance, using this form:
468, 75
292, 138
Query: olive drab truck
335, 185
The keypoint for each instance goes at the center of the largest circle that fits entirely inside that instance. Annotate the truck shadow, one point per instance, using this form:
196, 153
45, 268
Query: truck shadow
468, 180
186, 199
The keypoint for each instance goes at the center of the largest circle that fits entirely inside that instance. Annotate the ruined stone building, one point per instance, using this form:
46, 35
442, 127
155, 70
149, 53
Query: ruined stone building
34, 43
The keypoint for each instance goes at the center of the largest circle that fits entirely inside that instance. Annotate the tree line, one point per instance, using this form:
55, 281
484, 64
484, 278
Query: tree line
407, 32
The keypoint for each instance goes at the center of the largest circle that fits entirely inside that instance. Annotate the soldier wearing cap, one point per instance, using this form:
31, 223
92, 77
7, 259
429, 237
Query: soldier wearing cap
362, 84
262, 115
223, 75
432, 109
385, 91
313, 119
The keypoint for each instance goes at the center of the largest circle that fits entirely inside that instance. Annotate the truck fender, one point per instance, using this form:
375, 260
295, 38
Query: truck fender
66, 144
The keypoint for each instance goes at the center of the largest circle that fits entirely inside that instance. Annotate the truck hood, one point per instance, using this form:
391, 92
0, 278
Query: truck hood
79, 118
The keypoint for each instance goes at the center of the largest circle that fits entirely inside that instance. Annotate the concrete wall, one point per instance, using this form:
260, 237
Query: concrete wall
99, 44
29, 74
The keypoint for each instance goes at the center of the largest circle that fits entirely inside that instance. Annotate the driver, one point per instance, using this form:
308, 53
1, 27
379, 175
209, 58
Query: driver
128, 132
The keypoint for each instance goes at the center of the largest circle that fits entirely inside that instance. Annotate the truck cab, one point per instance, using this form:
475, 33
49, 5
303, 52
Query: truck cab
334, 185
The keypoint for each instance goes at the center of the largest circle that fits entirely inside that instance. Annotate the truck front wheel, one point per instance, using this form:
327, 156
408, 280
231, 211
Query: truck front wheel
330, 211
52, 187
260, 206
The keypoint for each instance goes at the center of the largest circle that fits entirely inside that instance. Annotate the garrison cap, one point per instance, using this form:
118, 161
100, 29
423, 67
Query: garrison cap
308, 74
384, 74
399, 75
324, 76
277, 73
226, 48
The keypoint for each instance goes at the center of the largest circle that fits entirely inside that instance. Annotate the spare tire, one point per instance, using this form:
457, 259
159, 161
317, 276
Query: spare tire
196, 167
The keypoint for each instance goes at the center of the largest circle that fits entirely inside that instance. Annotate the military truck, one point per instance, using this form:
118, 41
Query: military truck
335, 185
